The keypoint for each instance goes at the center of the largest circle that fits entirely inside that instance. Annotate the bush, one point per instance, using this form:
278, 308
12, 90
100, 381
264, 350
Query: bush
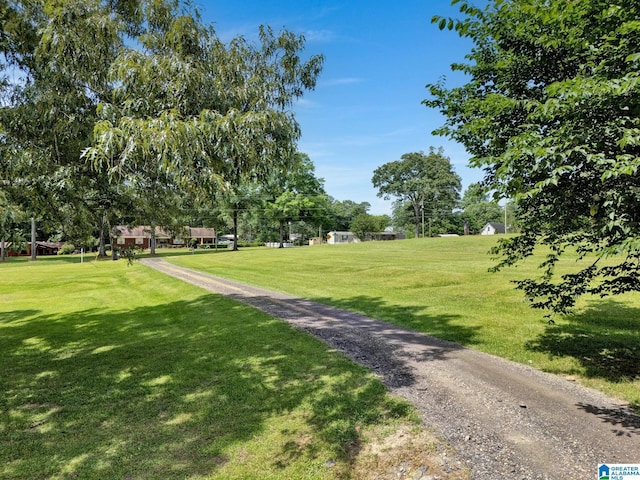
67, 249
130, 252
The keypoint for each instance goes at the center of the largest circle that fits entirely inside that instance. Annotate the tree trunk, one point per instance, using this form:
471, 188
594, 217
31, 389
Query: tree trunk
112, 240
33, 239
152, 240
102, 249
3, 241
235, 229
416, 215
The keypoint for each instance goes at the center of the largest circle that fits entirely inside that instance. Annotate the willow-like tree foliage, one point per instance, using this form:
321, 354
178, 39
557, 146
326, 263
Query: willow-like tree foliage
196, 113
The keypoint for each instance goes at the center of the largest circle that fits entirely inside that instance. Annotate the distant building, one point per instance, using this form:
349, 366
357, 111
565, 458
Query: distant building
141, 236
335, 238
387, 236
493, 228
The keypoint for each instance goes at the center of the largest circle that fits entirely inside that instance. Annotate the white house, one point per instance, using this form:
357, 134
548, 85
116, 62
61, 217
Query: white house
492, 228
334, 238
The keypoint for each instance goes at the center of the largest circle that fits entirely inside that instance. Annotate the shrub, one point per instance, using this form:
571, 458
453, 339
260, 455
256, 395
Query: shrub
67, 249
130, 252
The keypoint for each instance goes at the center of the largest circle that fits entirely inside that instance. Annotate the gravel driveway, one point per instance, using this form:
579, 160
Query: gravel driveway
503, 419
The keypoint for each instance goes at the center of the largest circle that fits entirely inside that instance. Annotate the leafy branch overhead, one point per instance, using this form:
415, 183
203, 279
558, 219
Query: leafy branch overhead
551, 111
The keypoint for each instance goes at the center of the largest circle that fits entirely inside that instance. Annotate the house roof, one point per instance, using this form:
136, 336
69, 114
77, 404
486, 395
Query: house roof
202, 232
144, 231
50, 244
38, 243
139, 232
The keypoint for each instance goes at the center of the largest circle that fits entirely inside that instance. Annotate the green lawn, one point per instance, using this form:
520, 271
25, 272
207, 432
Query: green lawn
441, 286
116, 371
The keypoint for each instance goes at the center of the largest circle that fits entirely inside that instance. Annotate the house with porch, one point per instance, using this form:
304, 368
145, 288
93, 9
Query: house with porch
141, 236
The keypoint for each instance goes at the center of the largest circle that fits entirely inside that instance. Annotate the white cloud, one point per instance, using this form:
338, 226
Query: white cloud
341, 81
319, 36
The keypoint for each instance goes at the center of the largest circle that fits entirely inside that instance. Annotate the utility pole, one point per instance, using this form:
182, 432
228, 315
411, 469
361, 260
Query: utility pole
422, 208
505, 215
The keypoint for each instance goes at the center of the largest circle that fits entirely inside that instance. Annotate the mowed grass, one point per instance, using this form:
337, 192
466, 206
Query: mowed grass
441, 286
116, 371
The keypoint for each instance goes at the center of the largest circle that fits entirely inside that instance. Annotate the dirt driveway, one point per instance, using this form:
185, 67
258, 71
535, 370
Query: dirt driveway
504, 420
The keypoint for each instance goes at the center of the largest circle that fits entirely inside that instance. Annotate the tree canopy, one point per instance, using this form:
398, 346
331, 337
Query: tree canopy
551, 111
478, 209
157, 110
426, 181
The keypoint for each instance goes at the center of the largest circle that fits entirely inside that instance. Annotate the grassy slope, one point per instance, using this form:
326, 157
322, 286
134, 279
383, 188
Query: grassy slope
110, 371
442, 287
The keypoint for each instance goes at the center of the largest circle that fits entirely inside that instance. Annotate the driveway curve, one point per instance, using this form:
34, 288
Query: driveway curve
503, 419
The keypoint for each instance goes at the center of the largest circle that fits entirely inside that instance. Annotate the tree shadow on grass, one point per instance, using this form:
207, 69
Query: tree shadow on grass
605, 339
378, 345
16, 315
170, 391
413, 317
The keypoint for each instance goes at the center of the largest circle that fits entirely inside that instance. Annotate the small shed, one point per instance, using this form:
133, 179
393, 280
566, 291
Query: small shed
493, 228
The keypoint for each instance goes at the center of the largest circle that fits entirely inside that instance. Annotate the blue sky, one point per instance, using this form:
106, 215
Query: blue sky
366, 109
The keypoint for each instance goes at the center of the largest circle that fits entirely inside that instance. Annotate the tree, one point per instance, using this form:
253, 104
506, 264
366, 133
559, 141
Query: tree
424, 181
9, 215
478, 210
296, 195
344, 212
214, 115
551, 112
364, 225
49, 107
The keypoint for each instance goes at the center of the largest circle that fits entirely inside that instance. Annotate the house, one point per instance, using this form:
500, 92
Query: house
335, 238
202, 235
141, 236
492, 228
42, 248
46, 248
387, 236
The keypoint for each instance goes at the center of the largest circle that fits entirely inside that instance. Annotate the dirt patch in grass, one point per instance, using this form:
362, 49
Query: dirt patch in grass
407, 452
